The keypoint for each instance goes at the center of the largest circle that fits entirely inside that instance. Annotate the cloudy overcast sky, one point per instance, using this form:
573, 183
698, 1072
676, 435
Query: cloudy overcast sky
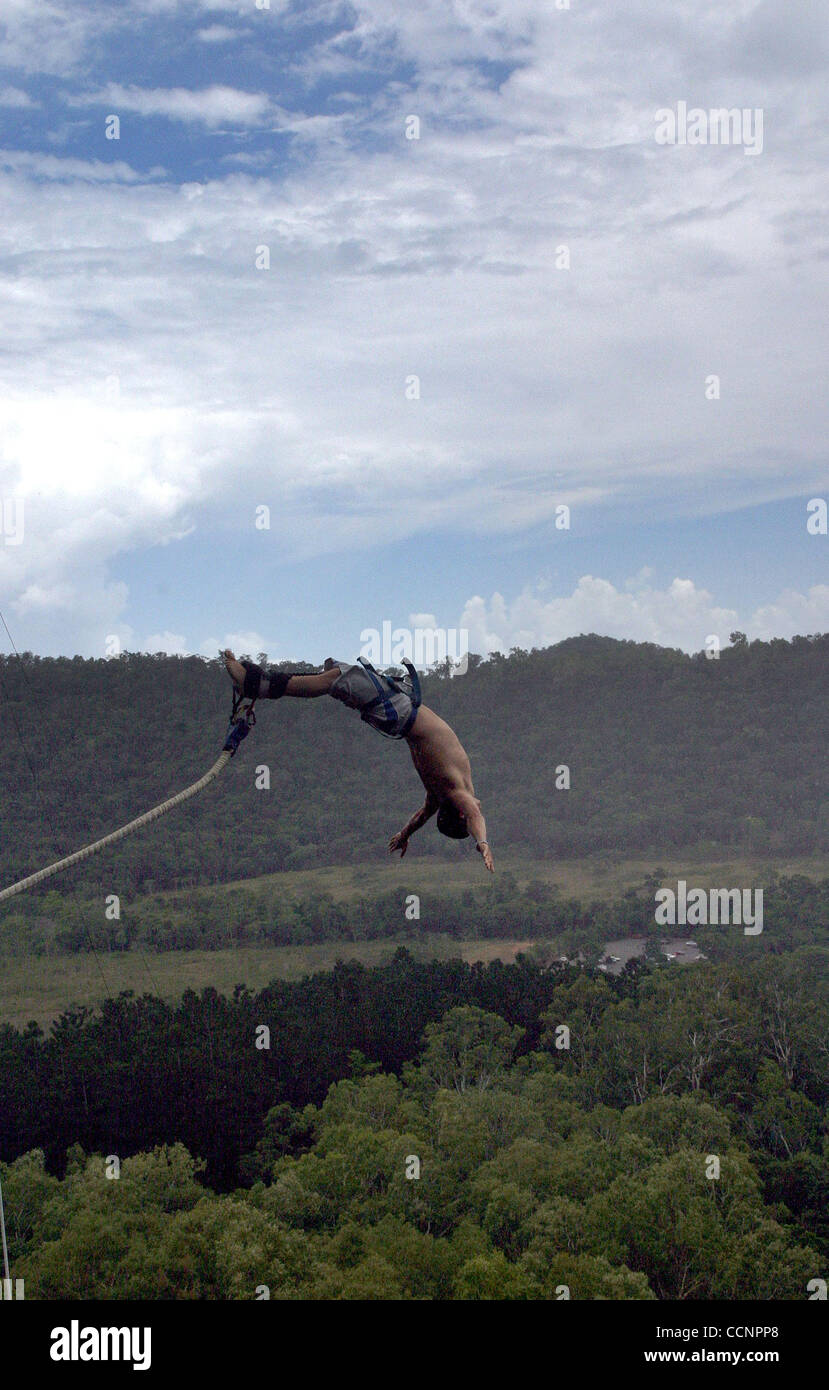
158, 384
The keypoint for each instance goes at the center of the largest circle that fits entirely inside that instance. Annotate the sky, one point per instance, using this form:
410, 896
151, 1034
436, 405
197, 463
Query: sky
363, 295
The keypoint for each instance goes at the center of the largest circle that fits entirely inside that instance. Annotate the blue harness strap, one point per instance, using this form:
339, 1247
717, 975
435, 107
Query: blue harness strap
382, 697
237, 730
381, 684
241, 720
415, 680
415, 698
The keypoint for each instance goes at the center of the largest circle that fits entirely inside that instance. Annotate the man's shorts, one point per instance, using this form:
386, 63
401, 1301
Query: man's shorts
392, 715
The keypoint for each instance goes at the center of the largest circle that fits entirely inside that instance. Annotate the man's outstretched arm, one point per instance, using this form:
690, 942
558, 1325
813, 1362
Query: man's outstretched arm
470, 808
401, 839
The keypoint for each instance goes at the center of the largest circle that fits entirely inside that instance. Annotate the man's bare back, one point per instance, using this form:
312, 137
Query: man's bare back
443, 767
438, 755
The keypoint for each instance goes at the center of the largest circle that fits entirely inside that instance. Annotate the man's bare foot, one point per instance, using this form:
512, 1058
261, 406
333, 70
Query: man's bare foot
235, 669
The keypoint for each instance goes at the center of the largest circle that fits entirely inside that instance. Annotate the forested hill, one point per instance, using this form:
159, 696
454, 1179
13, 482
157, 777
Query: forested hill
663, 750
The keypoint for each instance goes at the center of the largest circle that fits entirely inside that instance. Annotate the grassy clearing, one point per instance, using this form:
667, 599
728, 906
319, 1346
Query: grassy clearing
577, 878
41, 987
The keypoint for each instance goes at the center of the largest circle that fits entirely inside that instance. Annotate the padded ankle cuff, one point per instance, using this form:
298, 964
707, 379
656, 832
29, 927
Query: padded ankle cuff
253, 677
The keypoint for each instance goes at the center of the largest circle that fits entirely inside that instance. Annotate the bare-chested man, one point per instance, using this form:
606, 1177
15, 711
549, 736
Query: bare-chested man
437, 753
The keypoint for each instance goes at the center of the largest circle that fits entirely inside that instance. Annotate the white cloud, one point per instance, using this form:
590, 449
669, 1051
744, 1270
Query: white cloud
680, 616
16, 97
50, 166
173, 643
288, 386
58, 36
211, 106
217, 33
433, 257
241, 644
52, 35
793, 613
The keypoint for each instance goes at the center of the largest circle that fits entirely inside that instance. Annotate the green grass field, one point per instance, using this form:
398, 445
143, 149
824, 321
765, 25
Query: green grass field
41, 987
597, 877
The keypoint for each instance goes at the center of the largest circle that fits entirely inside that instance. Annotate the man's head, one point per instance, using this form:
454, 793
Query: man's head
450, 822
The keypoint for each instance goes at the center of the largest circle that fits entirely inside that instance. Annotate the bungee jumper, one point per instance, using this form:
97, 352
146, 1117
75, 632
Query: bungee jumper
393, 707
388, 704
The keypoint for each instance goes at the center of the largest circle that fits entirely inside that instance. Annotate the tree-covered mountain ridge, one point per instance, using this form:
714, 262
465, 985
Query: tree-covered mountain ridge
594, 744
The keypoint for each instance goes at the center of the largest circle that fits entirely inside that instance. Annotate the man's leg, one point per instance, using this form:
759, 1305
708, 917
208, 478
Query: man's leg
308, 687
303, 687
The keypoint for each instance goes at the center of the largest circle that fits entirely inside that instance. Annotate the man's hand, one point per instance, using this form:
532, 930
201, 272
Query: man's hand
399, 841
486, 854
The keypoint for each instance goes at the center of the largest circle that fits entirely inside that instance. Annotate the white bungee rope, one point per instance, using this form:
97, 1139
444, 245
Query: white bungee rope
240, 725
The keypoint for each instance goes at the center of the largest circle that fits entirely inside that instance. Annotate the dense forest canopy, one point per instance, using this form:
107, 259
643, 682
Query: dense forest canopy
664, 750
428, 1131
